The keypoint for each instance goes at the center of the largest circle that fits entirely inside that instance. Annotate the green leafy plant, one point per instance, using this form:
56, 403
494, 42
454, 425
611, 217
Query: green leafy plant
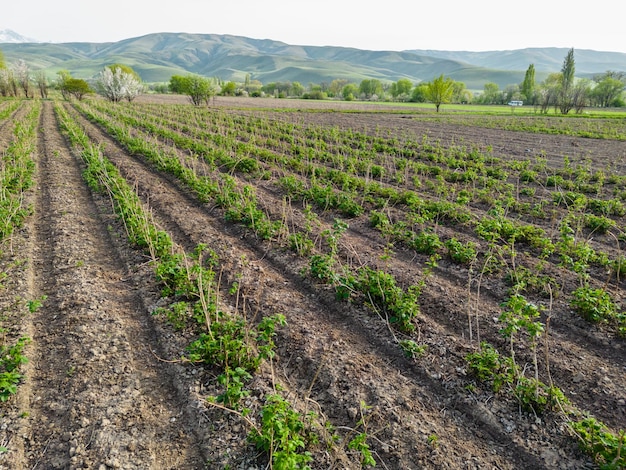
411, 349
425, 242
281, 435
359, 442
11, 358
233, 380
487, 365
382, 292
459, 252
301, 243
34, 305
607, 448
593, 304
525, 280
433, 440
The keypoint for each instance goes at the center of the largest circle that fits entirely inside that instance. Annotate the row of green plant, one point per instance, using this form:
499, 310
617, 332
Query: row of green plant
373, 192
317, 186
8, 108
460, 163
228, 343
605, 126
492, 228
374, 285
17, 170
239, 202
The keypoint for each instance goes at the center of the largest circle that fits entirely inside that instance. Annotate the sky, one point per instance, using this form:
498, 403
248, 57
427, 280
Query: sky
453, 25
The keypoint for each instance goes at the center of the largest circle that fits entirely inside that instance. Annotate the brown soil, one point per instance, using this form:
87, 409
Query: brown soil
97, 394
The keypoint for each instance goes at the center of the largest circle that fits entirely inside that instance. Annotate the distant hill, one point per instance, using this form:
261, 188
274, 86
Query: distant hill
156, 57
547, 59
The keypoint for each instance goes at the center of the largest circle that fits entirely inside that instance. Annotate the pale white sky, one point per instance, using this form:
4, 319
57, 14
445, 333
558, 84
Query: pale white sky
458, 25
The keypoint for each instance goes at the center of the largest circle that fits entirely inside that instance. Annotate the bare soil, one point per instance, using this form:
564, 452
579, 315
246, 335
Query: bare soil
104, 387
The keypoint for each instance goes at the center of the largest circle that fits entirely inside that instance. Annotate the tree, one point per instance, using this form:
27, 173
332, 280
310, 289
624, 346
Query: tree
527, 88
350, 91
22, 76
117, 83
177, 84
491, 94
336, 86
567, 81
420, 93
72, 87
440, 90
568, 69
297, 89
460, 94
580, 94
7, 83
370, 87
278, 89
229, 89
77, 88
550, 91
63, 77
510, 93
42, 83
401, 89
199, 89
608, 89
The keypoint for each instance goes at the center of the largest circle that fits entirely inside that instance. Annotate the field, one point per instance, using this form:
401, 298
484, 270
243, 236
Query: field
282, 284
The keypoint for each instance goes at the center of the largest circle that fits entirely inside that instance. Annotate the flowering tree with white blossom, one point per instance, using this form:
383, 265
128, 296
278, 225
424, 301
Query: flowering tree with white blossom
116, 84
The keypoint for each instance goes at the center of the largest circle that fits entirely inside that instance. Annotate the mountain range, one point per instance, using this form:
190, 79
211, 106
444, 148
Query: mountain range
156, 57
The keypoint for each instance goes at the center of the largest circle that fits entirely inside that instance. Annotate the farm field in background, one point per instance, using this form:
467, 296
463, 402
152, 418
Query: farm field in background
301, 283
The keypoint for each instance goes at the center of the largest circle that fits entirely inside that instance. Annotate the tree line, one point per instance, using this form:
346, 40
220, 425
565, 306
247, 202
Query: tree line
115, 82
560, 91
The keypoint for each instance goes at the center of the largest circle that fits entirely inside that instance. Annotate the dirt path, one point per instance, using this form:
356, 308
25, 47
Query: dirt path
97, 396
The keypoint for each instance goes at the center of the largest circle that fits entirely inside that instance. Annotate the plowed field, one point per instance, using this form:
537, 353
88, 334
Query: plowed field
110, 381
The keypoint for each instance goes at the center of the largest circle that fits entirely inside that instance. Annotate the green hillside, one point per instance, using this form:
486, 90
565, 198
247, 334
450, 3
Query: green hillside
156, 57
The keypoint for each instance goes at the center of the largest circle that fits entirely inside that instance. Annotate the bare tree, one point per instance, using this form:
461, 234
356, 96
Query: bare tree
6, 80
22, 77
550, 92
42, 83
581, 92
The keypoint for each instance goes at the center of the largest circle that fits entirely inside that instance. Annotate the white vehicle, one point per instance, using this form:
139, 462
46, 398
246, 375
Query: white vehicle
515, 103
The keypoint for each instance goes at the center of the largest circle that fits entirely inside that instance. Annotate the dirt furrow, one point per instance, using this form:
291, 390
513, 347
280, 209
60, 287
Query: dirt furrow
98, 396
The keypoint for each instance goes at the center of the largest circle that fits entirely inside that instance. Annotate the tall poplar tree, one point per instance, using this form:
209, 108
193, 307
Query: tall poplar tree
567, 82
528, 85
568, 70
